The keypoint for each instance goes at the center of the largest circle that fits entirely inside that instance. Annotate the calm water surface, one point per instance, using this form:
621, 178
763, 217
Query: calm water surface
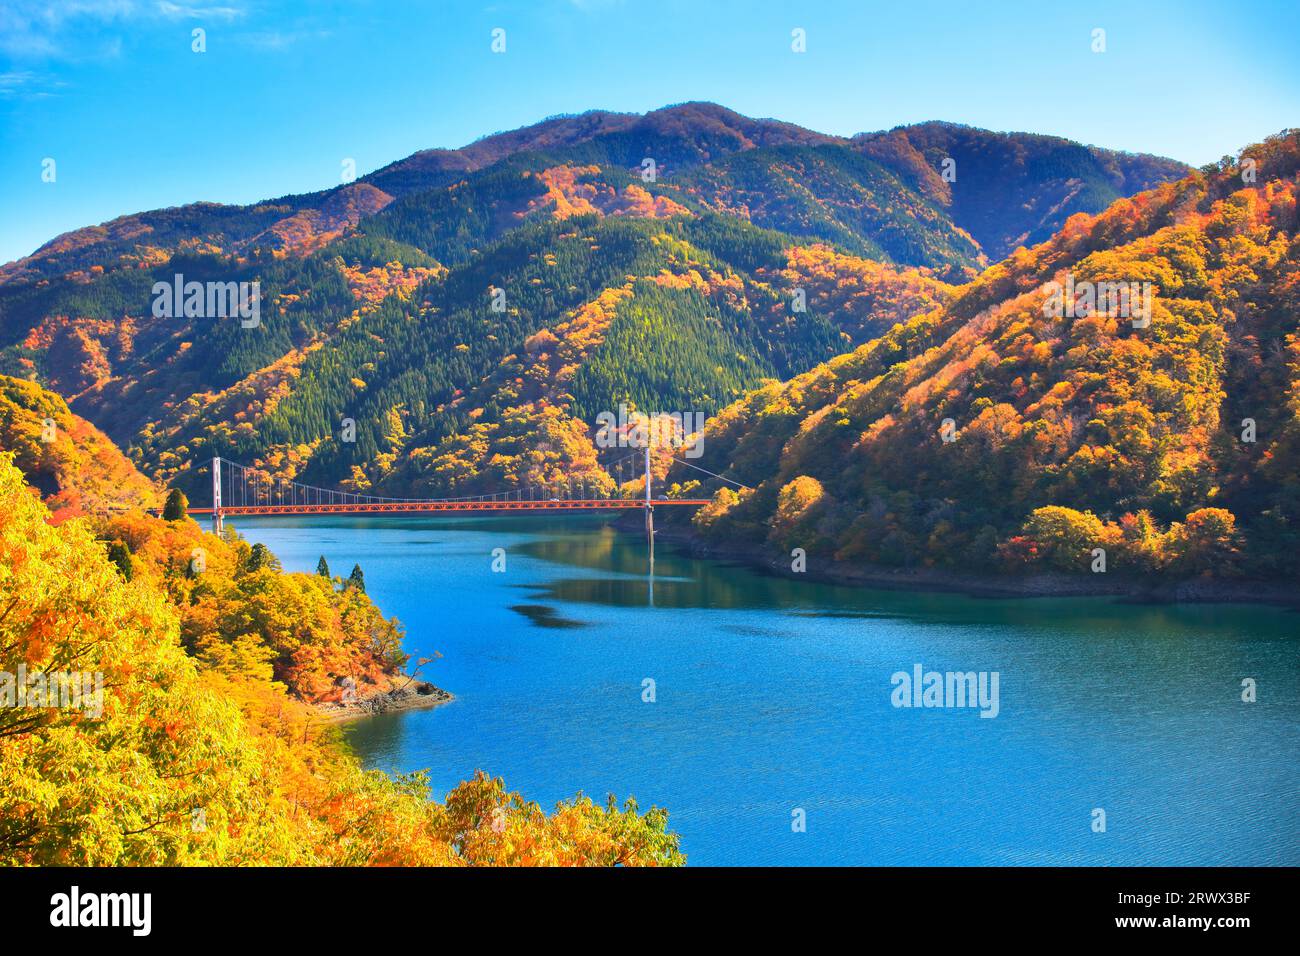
774, 695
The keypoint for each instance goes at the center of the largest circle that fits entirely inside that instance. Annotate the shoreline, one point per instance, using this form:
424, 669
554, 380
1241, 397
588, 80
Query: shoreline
1041, 585
413, 695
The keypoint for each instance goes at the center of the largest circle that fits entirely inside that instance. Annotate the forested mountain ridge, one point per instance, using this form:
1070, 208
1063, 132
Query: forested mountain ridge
1050, 178
683, 136
993, 432
678, 138
378, 297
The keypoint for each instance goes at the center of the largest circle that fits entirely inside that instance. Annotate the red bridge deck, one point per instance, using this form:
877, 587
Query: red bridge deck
430, 507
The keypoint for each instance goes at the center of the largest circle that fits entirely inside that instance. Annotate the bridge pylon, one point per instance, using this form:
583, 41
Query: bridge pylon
217, 524
649, 508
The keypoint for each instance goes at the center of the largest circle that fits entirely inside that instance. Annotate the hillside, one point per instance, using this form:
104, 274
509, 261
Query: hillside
1013, 189
70, 463
377, 296
176, 743
1174, 446
202, 737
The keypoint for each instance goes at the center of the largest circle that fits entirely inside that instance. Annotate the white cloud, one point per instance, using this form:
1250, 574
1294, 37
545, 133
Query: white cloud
178, 10
25, 84
280, 39
40, 29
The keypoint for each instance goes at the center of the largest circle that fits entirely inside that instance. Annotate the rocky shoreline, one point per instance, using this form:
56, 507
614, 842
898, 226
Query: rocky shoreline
405, 694
1140, 590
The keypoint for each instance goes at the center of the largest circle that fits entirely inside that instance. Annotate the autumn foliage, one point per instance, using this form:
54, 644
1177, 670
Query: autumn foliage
67, 461
986, 433
206, 750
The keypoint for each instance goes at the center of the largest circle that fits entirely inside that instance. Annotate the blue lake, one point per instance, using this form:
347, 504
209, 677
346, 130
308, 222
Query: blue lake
774, 696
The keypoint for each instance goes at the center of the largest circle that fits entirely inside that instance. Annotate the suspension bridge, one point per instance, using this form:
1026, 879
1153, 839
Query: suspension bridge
238, 490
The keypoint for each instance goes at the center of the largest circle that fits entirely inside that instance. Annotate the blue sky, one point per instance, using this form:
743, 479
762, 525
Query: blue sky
134, 120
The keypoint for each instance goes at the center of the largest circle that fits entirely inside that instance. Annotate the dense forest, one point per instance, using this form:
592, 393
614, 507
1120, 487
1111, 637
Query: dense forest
995, 433
455, 323
698, 253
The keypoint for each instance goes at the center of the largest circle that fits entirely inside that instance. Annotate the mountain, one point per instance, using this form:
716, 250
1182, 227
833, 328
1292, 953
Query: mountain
686, 135
1013, 189
1003, 429
472, 310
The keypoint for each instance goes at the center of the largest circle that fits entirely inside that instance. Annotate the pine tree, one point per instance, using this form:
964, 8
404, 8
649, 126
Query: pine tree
120, 555
323, 567
356, 579
259, 557
177, 506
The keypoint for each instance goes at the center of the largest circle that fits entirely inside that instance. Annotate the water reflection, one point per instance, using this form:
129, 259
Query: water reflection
543, 616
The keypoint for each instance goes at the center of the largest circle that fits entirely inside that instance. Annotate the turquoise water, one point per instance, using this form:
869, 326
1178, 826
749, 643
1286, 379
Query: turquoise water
774, 696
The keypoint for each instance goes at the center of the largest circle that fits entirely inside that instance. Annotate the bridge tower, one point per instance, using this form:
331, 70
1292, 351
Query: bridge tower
649, 508
217, 525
